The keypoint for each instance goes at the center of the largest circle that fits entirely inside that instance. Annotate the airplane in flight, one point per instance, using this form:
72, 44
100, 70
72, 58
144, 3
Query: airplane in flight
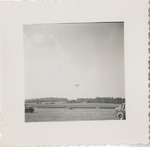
76, 85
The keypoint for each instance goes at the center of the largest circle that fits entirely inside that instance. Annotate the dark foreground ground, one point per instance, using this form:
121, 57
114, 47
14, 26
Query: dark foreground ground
65, 114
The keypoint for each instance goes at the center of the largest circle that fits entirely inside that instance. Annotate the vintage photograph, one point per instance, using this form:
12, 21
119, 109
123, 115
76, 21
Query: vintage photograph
74, 71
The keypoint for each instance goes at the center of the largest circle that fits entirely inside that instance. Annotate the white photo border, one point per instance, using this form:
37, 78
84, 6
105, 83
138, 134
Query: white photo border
133, 130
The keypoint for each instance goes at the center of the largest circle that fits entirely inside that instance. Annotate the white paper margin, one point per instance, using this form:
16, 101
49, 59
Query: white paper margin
133, 130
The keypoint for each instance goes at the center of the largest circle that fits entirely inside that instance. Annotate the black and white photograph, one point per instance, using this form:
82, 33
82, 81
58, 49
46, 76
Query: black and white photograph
74, 71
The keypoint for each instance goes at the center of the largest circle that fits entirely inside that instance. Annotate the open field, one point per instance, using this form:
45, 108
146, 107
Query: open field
71, 112
57, 114
76, 105
64, 114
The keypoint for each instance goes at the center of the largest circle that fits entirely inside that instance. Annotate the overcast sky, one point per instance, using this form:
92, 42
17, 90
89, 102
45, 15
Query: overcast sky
58, 56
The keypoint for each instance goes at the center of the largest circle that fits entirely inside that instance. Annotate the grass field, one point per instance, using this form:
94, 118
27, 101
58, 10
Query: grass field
71, 112
57, 114
76, 105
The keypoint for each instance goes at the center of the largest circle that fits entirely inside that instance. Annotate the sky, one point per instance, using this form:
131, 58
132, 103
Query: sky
58, 56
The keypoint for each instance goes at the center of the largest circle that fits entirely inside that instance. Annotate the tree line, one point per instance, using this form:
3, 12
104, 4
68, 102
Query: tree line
102, 100
52, 100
